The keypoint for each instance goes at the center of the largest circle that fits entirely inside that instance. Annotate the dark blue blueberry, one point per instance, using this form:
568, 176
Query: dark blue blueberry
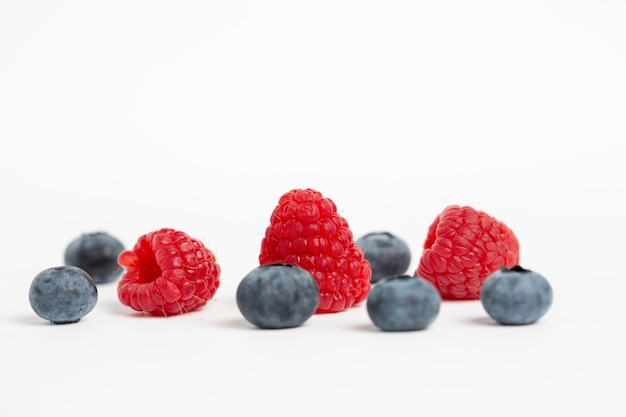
387, 254
402, 303
97, 254
516, 295
277, 296
63, 294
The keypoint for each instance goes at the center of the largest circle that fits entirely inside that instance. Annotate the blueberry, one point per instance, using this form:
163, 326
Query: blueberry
516, 295
403, 303
387, 254
97, 254
277, 296
63, 294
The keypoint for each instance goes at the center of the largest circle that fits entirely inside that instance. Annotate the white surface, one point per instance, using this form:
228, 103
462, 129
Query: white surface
128, 116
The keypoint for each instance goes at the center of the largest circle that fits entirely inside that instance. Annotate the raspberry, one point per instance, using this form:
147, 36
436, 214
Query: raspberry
462, 248
167, 273
305, 230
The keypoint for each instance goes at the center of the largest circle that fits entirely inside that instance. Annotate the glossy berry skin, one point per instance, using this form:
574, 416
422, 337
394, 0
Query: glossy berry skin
168, 273
307, 231
403, 303
387, 254
97, 254
516, 296
463, 247
277, 296
63, 294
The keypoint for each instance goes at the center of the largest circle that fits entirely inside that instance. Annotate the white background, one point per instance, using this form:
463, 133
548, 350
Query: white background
128, 116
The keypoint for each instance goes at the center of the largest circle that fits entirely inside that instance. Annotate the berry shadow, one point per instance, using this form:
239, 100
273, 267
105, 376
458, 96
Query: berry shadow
117, 309
370, 328
243, 324
31, 320
237, 323
34, 320
483, 321
488, 321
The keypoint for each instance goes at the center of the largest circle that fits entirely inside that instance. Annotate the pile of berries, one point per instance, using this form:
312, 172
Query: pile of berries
309, 263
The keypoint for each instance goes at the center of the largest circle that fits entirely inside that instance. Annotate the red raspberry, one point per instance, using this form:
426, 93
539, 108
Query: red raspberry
167, 273
463, 247
305, 230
